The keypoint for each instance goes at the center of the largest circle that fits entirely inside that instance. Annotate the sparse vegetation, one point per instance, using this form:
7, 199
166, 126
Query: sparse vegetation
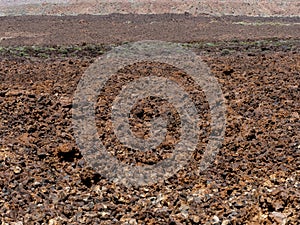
50, 51
224, 48
264, 23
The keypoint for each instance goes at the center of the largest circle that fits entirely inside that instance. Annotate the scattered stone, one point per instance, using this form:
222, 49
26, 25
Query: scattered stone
225, 222
196, 219
18, 223
54, 222
66, 102
255, 170
215, 219
65, 148
17, 169
280, 218
132, 222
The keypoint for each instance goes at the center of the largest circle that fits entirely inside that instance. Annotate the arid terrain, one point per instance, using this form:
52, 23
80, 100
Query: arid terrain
255, 178
263, 8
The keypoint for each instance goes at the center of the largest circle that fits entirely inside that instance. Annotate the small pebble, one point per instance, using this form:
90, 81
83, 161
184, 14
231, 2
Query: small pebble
52, 222
216, 219
280, 218
196, 219
17, 170
18, 223
225, 222
132, 221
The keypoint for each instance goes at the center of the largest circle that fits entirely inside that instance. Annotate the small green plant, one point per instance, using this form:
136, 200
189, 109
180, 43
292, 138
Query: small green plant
210, 44
225, 52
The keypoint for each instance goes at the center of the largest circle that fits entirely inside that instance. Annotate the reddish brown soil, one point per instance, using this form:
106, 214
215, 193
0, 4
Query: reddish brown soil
255, 178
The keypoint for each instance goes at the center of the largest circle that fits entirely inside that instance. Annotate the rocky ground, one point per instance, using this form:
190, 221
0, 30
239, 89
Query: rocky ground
255, 178
263, 8
118, 28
